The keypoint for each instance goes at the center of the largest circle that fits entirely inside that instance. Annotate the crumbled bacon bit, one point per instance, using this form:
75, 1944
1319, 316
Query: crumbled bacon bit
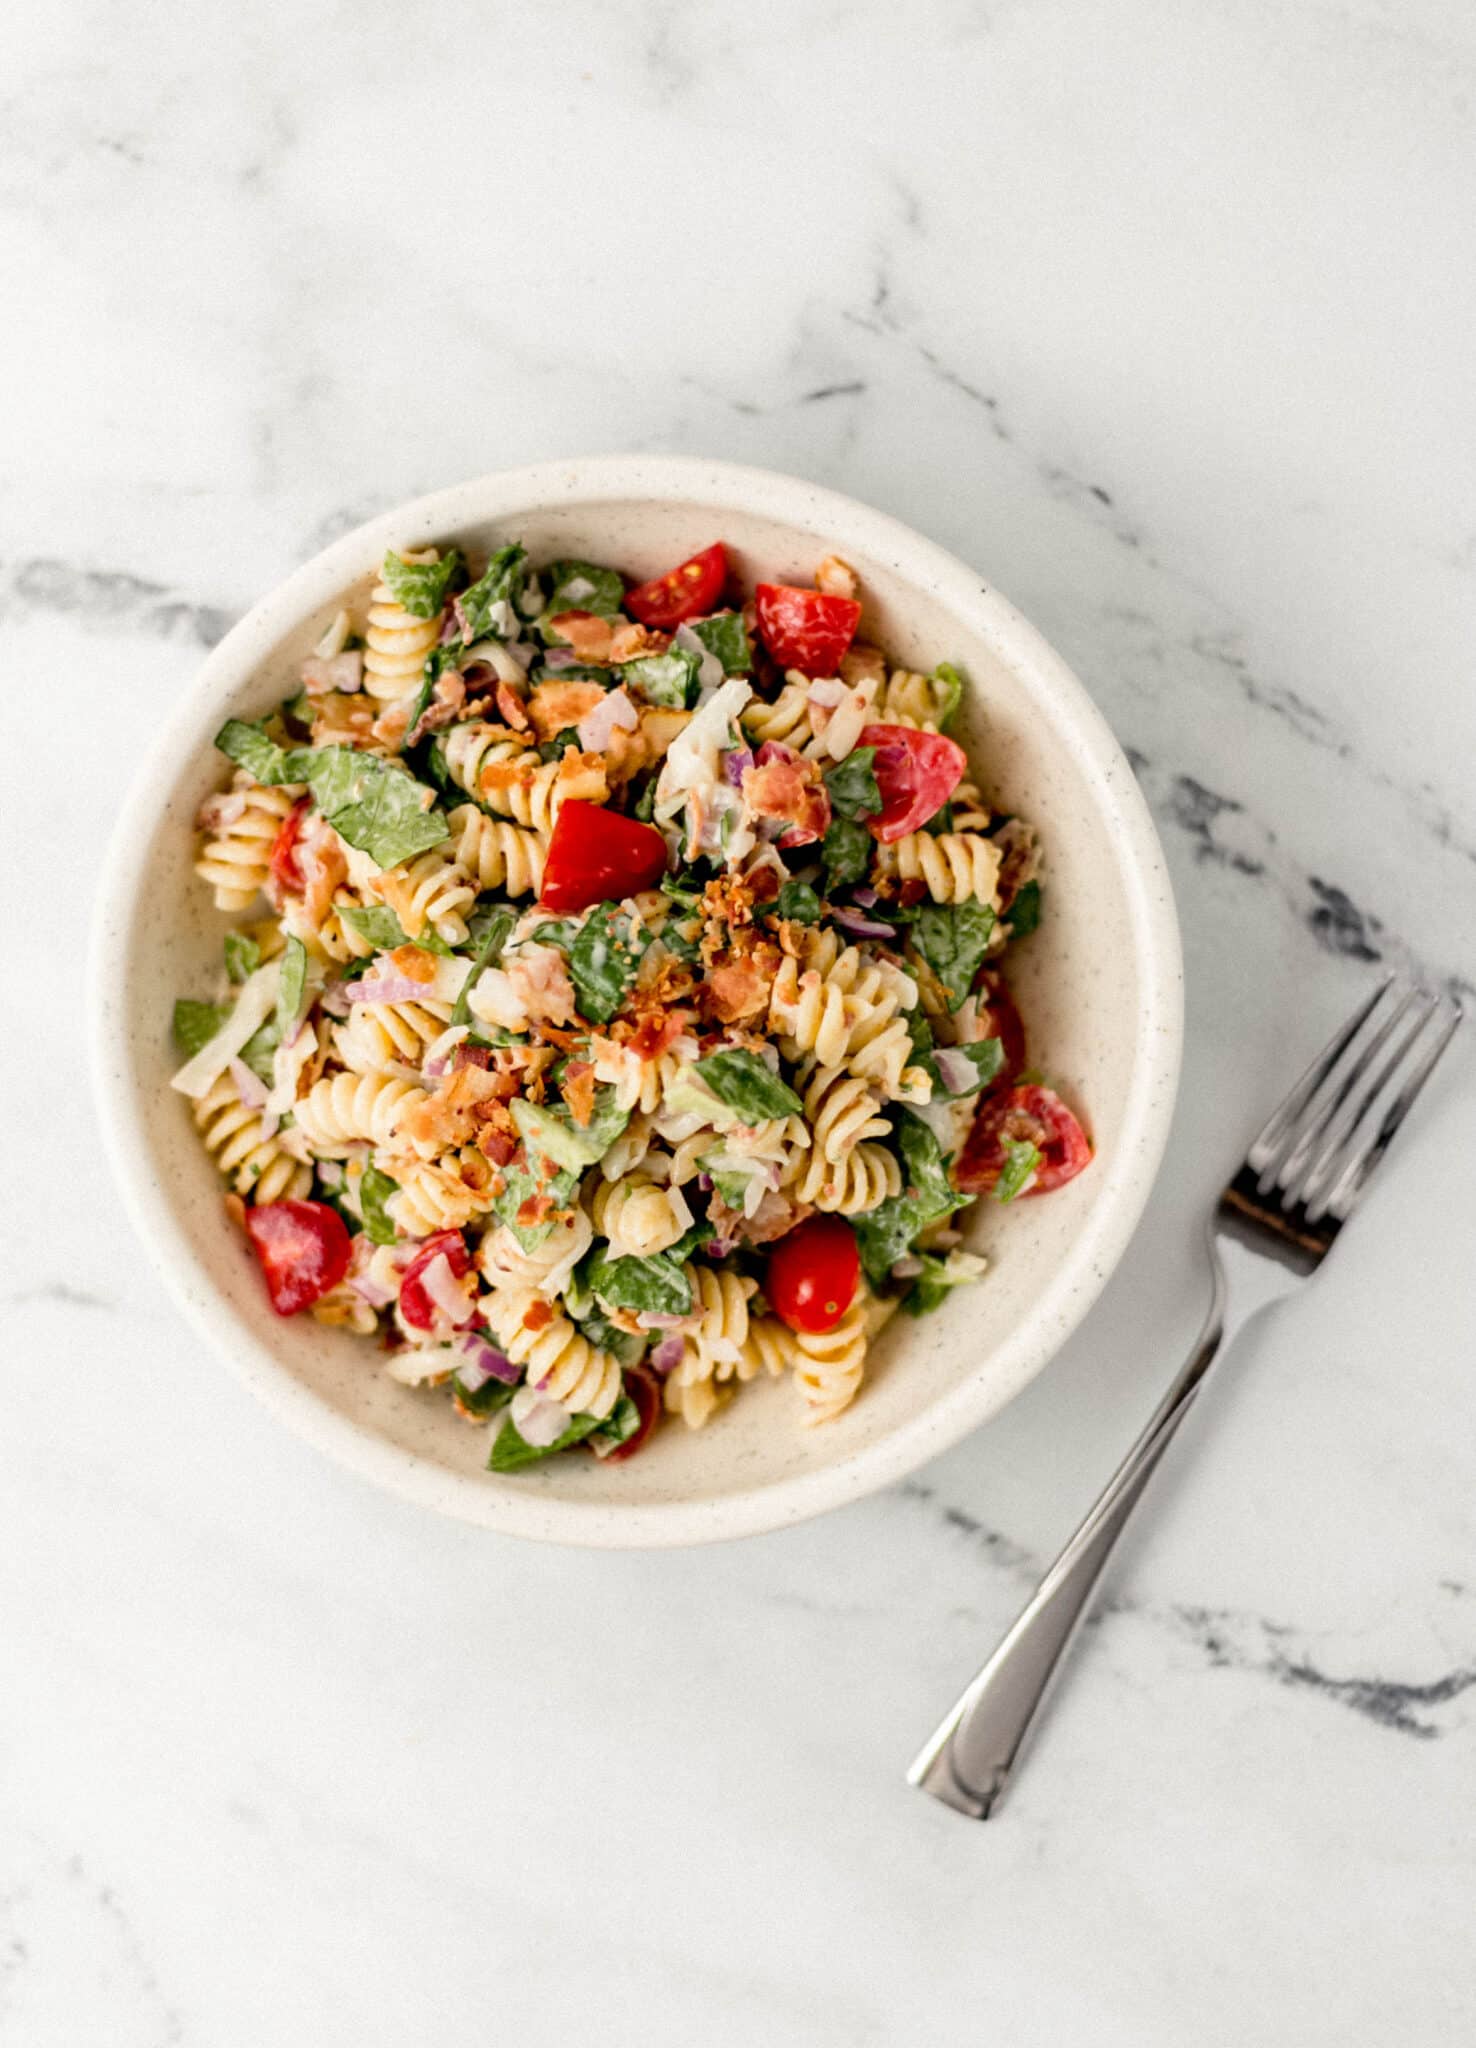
737, 989
728, 900
764, 883
556, 706
510, 704
579, 1090
537, 1315
472, 1056
413, 962
791, 788
498, 1146
910, 894
628, 642
586, 632
535, 1209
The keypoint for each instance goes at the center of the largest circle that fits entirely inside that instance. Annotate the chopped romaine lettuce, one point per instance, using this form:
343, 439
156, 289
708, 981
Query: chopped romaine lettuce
499, 583
1023, 914
953, 938
603, 962
195, 1024
726, 636
375, 1189
583, 587
249, 747
798, 901
242, 956
853, 787
846, 852
950, 683
292, 990
488, 929
745, 1084
512, 1453
420, 587
1021, 1161
664, 678
888, 1233
656, 1284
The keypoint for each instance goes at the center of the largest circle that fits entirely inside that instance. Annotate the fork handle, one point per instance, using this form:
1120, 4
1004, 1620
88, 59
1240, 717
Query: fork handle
969, 1758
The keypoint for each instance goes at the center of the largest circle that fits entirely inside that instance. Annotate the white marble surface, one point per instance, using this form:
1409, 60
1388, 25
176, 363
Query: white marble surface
1162, 316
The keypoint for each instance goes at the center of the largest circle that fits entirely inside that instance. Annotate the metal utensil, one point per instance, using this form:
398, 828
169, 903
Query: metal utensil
1272, 1227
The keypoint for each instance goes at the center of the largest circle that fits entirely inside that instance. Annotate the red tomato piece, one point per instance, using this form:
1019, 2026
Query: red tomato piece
1003, 1021
284, 847
813, 1273
303, 1248
916, 772
644, 1389
1033, 1114
805, 629
597, 856
416, 1306
684, 593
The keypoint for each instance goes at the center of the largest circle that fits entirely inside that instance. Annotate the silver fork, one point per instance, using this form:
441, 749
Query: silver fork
1272, 1227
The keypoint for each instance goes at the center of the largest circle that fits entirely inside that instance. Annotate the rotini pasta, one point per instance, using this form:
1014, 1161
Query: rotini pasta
395, 643
563, 1101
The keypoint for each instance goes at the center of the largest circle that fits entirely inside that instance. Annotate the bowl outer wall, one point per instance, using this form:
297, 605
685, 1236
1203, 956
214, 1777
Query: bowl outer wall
666, 496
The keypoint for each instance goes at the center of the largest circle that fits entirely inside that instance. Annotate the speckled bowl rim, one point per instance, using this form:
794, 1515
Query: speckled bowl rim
1107, 1226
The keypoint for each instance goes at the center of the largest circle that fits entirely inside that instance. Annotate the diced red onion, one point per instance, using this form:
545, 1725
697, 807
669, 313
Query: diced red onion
906, 1269
735, 765
860, 927
484, 1362
342, 672
559, 657
445, 1290
960, 1075
865, 897
657, 1319
775, 750
387, 988
666, 1356
334, 1000
250, 1087
614, 713
719, 1247
704, 1182
538, 1420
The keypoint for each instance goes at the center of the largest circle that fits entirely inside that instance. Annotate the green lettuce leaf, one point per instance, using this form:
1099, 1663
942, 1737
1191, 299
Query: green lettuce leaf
888, 1233
726, 636
846, 852
498, 583
953, 938
420, 587
292, 990
623, 1345
519, 1182
798, 902
742, 1081
510, 1453
375, 1189
603, 962
664, 678
1021, 1160
249, 747
195, 1024
1023, 915
242, 956
377, 923
373, 804
488, 929
950, 681
987, 1055
583, 587
656, 1283
853, 787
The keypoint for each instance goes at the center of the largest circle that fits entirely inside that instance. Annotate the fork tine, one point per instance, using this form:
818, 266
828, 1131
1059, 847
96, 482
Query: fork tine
1269, 1140
1321, 1113
1347, 1189
1321, 1160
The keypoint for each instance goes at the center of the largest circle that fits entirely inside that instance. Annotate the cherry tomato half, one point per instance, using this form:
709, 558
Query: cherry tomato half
916, 772
284, 847
597, 856
304, 1250
805, 629
684, 593
813, 1273
1036, 1115
645, 1390
416, 1306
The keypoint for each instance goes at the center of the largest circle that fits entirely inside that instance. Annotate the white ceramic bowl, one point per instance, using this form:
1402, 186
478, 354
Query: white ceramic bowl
1099, 986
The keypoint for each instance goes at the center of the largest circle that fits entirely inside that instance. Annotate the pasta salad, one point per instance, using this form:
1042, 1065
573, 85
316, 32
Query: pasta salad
612, 1009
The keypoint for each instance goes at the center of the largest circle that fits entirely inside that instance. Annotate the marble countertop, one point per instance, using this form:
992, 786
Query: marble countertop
1162, 317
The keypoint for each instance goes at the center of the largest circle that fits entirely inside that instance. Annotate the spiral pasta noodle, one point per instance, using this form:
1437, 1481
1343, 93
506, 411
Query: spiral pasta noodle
241, 828
344, 1110
841, 1109
637, 1217
498, 855
395, 642
429, 890
769, 1348
258, 1167
830, 1364
378, 1034
559, 1361
496, 767
954, 867
436, 1194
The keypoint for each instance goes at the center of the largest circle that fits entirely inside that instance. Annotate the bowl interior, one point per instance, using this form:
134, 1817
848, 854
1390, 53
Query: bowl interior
1097, 986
